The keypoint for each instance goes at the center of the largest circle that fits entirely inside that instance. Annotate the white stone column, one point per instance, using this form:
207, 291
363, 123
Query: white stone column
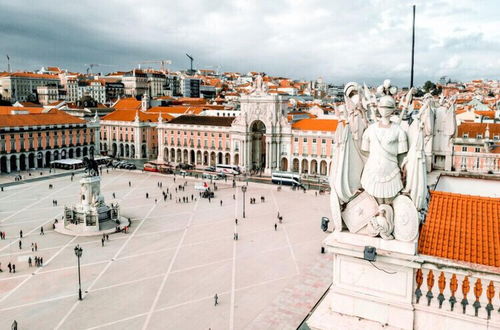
17, 163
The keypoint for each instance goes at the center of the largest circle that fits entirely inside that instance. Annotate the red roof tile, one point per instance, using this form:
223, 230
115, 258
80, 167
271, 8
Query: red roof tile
313, 124
463, 228
53, 117
127, 115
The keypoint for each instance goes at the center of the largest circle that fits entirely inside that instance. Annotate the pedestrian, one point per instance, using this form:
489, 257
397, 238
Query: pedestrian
36, 247
129, 184
107, 237
147, 195
275, 226
221, 202
1, 270
21, 233
156, 200
234, 197
32, 247
13, 268
102, 241
29, 262
114, 196
236, 221
20, 245
237, 236
41, 231
41, 261
9, 266
216, 300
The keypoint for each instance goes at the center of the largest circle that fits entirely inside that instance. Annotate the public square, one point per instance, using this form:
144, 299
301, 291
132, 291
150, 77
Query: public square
164, 273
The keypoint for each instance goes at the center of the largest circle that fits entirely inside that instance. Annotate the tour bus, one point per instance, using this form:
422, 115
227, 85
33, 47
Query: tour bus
227, 169
286, 178
151, 167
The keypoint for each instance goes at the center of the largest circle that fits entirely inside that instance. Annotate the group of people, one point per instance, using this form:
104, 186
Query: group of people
254, 200
38, 262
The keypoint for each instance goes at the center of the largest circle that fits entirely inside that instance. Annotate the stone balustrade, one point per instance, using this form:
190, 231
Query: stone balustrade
456, 293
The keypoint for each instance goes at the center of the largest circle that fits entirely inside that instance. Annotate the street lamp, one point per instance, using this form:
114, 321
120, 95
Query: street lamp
244, 190
78, 253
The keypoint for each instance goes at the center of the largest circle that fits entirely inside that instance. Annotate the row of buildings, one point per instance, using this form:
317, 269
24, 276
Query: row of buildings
277, 125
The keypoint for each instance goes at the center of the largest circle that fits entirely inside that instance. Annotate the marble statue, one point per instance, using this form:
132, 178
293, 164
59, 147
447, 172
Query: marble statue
384, 141
445, 125
382, 223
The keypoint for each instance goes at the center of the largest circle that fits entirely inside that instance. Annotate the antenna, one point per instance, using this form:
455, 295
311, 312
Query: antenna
191, 59
412, 48
8, 63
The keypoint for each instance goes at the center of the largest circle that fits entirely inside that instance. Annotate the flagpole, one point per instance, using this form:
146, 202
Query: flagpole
412, 48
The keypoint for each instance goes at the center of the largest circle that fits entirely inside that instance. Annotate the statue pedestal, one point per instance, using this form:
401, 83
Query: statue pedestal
378, 293
91, 215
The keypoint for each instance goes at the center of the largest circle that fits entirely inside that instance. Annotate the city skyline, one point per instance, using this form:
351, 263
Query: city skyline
336, 41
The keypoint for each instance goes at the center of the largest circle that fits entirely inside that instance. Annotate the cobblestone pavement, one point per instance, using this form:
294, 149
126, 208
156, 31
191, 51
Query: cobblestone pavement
164, 273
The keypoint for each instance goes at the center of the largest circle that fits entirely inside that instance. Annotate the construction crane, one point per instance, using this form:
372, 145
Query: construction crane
191, 59
162, 63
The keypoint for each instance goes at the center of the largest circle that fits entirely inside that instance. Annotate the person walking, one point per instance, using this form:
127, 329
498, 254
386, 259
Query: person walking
36, 247
20, 245
29, 262
9, 266
114, 196
275, 226
21, 233
13, 268
236, 221
216, 300
41, 261
221, 202
102, 241
147, 195
41, 231
32, 247
129, 184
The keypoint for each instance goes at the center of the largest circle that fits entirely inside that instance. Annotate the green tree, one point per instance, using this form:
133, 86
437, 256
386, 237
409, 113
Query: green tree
428, 86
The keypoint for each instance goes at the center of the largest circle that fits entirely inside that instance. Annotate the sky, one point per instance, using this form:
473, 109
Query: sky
340, 41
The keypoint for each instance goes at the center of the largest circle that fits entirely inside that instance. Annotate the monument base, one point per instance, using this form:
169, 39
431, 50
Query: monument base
377, 292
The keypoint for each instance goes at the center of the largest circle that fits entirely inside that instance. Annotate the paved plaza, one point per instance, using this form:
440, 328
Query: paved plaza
164, 273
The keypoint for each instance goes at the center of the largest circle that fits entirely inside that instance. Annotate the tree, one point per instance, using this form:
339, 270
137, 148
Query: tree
428, 86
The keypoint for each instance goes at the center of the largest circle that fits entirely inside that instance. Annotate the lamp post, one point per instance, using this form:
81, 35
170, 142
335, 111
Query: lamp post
78, 253
244, 190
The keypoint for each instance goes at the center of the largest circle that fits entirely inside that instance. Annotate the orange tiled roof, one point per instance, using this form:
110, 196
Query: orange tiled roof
473, 129
179, 109
489, 114
53, 117
30, 75
463, 228
127, 115
312, 124
7, 110
128, 103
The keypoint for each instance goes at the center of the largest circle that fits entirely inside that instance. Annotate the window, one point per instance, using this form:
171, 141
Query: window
323, 141
465, 135
479, 136
314, 140
464, 149
296, 139
305, 140
478, 149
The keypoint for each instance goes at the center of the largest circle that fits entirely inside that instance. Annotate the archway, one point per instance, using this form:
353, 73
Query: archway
179, 156
295, 165
127, 151
284, 164
219, 158
165, 154
192, 160
236, 159
172, 155
143, 150
122, 151
39, 159
85, 151
205, 158
212, 158
227, 159
3, 164
322, 167
314, 167
31, 160
185, 156
132, 151
114, 150
78, 152
13, 163
305, 166
47, 158
71, 153
56, 155
258, 144
199, 161
22, 162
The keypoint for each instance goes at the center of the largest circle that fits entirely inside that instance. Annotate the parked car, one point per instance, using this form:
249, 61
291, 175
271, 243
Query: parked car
210, 169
